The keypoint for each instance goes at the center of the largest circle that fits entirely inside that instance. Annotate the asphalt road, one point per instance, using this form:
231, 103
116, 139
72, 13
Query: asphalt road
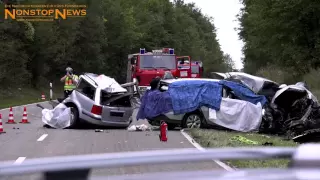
26, 141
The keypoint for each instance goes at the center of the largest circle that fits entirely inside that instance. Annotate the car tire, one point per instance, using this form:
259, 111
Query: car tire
192, 121
171, 126
74, 117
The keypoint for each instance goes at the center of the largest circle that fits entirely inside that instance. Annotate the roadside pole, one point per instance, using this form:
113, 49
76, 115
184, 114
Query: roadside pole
51, 94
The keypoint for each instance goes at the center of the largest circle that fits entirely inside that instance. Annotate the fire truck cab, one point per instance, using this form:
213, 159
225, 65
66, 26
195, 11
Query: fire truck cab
184, 66
144, 66
196, 69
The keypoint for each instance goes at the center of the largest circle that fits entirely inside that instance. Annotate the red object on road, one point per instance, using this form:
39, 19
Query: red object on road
43, 97
11, 120
25, 116
1, 126
163, 131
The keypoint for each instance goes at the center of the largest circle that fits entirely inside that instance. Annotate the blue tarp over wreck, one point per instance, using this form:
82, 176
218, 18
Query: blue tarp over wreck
187, 96
244, 93
153, 104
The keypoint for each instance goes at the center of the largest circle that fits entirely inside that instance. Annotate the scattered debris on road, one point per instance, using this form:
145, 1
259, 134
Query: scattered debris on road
98, 130
244, 140
141, 127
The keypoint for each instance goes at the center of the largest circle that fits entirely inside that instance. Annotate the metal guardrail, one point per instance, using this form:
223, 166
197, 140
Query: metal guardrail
113, 160
244, 174
66, 166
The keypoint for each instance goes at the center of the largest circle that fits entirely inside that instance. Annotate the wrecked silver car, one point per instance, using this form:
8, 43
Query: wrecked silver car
100, 100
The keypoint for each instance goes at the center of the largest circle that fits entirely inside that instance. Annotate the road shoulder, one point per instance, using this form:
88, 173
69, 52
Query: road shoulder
212, 138
199, 147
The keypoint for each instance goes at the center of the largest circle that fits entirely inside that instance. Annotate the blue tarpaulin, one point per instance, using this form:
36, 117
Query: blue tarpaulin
244, 93
153, 104
187, 96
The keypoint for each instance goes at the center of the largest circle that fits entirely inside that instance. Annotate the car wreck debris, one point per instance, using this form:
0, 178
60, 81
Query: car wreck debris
292, 110
141, 127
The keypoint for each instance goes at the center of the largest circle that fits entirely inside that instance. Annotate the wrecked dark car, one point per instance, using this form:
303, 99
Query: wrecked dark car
292, 110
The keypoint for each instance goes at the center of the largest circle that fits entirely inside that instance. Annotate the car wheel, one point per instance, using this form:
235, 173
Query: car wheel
192, 121
74, 117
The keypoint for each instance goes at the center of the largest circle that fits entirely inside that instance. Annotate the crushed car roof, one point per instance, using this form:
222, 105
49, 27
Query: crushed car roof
105, 83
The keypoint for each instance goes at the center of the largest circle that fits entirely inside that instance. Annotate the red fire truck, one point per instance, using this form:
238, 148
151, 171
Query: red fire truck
196, 69
144, 66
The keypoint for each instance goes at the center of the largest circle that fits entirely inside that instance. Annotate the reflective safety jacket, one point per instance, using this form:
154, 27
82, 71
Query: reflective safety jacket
69, 83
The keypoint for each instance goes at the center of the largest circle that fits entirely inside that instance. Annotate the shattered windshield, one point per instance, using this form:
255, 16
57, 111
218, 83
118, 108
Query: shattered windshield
185, 65
157, 61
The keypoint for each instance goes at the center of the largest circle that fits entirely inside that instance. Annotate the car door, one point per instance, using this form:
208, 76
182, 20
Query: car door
116, 108
85, 96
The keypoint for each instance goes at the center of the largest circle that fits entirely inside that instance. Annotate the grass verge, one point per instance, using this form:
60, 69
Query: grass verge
19, 96
216, 138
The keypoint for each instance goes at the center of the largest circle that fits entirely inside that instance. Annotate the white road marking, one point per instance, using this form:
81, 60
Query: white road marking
41, 138
19, 160
199, 147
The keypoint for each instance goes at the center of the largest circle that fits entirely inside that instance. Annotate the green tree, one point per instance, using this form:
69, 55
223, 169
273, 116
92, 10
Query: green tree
35, 52
229, 62
280, 33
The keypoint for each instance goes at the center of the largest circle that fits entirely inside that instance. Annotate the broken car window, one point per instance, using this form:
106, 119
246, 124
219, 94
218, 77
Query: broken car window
116, 100
86, 89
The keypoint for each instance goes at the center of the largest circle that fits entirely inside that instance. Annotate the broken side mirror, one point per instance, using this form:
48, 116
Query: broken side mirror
133, 60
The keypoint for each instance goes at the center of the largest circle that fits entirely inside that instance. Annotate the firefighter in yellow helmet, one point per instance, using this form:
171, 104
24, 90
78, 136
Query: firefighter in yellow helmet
70, 81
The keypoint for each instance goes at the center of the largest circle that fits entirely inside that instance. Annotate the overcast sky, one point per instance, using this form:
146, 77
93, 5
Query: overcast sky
224, 13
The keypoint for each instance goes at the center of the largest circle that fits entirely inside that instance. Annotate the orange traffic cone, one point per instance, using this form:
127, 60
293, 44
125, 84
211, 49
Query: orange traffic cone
24, 116
1, 126
11, 120
43, 97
